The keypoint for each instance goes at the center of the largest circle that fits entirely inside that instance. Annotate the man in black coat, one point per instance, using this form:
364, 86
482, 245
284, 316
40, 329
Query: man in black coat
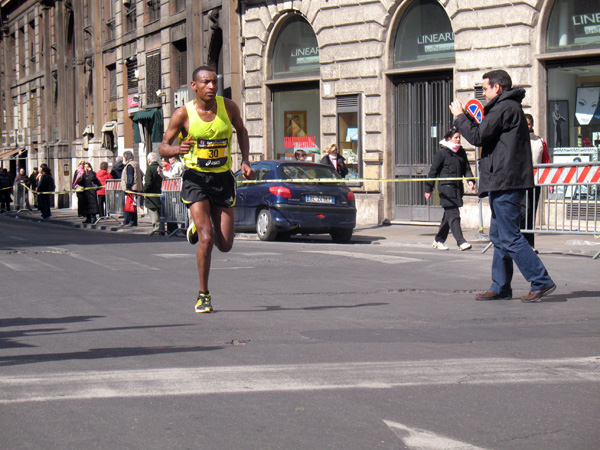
117, 169
506, 172
152, 185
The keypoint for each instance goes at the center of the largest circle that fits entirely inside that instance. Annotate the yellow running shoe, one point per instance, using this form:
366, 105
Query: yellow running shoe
203, 304
192, 234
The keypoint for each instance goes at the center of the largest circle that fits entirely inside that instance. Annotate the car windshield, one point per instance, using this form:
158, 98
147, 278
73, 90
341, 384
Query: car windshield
307, 172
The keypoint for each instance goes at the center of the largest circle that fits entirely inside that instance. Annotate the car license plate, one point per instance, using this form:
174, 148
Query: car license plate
320, 199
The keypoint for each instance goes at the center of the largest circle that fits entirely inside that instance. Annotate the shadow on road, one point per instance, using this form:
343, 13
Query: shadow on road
269, 308
99, 353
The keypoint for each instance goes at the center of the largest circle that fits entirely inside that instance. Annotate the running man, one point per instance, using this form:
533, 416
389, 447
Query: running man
204, 127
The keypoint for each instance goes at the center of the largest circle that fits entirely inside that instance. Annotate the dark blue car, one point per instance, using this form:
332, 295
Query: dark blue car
275, 206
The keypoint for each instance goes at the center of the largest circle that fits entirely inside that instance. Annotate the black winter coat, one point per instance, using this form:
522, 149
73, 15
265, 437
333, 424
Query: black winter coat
342, 169
447, 164
89, 197
152, 185
504, 140
46, 184
117, 170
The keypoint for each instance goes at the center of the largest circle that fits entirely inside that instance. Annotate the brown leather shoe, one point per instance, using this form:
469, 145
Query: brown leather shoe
536, 296
491, 295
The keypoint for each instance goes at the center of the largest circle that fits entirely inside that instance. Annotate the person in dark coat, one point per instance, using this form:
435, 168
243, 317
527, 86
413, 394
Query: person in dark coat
45, 184
33, 185
5, 190
117, 170
335, 160
506, 172
89, 197
450, 162
152, 185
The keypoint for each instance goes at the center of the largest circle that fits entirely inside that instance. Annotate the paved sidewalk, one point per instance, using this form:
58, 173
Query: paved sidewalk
401, 235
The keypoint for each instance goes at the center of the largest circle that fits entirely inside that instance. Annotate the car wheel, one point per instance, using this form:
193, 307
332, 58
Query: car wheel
341, 235
265, 229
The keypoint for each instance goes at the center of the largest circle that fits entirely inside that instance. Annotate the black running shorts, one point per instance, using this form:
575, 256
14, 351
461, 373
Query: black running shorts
218, 188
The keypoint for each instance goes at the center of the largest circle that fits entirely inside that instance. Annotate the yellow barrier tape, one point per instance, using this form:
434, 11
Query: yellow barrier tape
295, 180
84, 189
355, 180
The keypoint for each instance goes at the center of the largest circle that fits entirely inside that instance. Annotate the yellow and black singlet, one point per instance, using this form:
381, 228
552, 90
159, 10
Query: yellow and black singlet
211, 150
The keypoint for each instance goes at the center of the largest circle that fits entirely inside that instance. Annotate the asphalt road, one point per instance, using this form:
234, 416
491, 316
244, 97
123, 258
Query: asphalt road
312, 345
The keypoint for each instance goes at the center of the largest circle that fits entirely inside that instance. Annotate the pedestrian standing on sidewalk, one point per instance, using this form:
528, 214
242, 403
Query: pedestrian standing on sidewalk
117, 170
103, 174
89, 197
450, 161
131, 181
152, 185
529, 205
33, 186
44, 186
24, 182
77, 186
505, 172
5, 190
208, 186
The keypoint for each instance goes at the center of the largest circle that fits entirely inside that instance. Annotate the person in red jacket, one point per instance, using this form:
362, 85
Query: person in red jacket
103, 174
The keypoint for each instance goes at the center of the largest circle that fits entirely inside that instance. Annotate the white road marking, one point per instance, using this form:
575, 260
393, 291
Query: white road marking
254, 255
114, 263
417, 439
14, 266
386, 259
294, 377
27, 263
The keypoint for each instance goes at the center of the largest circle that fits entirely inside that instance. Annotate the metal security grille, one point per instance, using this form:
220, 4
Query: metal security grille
152, 78
112, 74
422, 118
347, 101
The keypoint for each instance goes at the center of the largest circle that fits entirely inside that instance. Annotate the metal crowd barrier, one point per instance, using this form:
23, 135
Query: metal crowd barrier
115, 199
569, 200
21, 198
173, 210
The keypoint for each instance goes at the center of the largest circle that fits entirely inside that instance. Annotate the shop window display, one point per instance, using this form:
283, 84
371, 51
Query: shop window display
296, 122
573, 112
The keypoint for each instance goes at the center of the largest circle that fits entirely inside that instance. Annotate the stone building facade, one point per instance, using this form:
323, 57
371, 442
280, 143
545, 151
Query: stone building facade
89, 79
389, 69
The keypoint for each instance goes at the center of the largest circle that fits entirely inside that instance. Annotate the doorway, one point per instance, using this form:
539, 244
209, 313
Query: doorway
422, 117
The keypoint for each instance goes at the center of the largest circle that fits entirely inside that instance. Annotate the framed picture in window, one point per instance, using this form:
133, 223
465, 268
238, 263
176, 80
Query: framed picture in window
558, 124
295, 123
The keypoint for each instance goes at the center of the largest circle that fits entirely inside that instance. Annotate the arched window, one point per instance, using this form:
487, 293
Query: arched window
296, 51
574, 25
424, 36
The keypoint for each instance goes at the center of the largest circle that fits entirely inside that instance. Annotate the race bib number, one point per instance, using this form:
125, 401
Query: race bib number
211, 153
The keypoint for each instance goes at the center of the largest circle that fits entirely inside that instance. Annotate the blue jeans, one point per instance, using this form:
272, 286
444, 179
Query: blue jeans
510, 245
